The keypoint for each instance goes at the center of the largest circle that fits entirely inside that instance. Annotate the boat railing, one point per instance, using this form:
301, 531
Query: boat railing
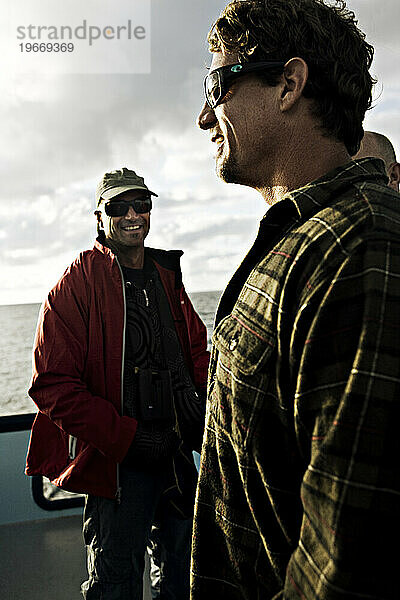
24, 498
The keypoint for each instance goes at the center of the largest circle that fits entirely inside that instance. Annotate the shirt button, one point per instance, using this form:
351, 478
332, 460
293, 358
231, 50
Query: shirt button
233, 344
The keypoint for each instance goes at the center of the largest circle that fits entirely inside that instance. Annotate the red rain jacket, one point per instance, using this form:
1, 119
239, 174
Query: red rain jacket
79, 435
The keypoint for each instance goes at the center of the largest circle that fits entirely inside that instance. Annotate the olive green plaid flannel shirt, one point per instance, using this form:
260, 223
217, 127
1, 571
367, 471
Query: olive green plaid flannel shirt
299, 488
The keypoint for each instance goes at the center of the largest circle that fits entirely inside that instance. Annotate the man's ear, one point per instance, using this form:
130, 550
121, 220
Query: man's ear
394, 176
295, 75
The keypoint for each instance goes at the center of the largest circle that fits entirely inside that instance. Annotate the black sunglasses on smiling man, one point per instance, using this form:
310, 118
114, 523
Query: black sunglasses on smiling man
119, 208
217, 82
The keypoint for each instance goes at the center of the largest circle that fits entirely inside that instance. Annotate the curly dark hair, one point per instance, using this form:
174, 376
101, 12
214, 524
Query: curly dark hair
325, 36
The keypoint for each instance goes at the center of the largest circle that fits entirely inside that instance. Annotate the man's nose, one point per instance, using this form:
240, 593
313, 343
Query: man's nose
206, 118
131, 214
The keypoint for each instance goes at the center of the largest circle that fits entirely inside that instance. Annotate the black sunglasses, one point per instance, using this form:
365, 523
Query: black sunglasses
217, 82
119, 208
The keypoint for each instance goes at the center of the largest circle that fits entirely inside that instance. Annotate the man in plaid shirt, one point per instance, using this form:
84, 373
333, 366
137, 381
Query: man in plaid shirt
299, 490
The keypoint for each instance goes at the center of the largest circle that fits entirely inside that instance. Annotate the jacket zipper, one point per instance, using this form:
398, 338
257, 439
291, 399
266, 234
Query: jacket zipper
119, 490
146, 297
72, 440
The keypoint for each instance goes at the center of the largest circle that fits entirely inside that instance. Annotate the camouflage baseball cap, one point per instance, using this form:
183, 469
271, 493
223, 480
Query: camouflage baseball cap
119, 181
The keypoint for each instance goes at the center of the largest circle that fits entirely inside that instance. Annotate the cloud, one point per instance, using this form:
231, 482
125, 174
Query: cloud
60, 134
379, 21
46, 226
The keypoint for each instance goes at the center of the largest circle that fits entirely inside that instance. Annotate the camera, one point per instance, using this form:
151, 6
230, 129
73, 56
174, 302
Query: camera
156, 395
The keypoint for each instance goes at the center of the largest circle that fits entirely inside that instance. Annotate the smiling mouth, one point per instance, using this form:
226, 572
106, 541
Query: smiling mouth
132, 227
218, 139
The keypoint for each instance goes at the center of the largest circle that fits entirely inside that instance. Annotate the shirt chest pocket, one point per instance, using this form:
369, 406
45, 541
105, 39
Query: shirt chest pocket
242, 376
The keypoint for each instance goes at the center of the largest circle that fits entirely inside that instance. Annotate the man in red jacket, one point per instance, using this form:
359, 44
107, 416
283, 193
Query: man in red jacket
120, 365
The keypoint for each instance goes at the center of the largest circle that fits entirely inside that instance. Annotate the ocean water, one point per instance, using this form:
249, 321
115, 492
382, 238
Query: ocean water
17, 327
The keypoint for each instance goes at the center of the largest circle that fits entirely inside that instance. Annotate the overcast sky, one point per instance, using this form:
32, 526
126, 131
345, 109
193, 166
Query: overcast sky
60, 133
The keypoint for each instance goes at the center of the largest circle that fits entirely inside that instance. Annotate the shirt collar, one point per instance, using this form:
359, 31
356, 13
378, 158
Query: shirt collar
313, 196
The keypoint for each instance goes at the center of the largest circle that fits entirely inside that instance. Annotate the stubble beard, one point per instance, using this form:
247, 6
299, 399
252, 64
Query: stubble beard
228, 170
121, 246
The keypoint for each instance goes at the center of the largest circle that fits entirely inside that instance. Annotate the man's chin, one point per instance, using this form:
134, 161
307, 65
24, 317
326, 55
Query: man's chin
228, 170
124, 245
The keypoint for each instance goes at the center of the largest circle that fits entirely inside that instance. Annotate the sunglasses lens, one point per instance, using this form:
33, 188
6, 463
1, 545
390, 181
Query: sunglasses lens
116, 209
213, 88
142, 205
120, 208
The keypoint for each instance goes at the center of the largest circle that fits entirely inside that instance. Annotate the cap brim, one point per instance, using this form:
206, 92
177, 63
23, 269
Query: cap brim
111, 193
